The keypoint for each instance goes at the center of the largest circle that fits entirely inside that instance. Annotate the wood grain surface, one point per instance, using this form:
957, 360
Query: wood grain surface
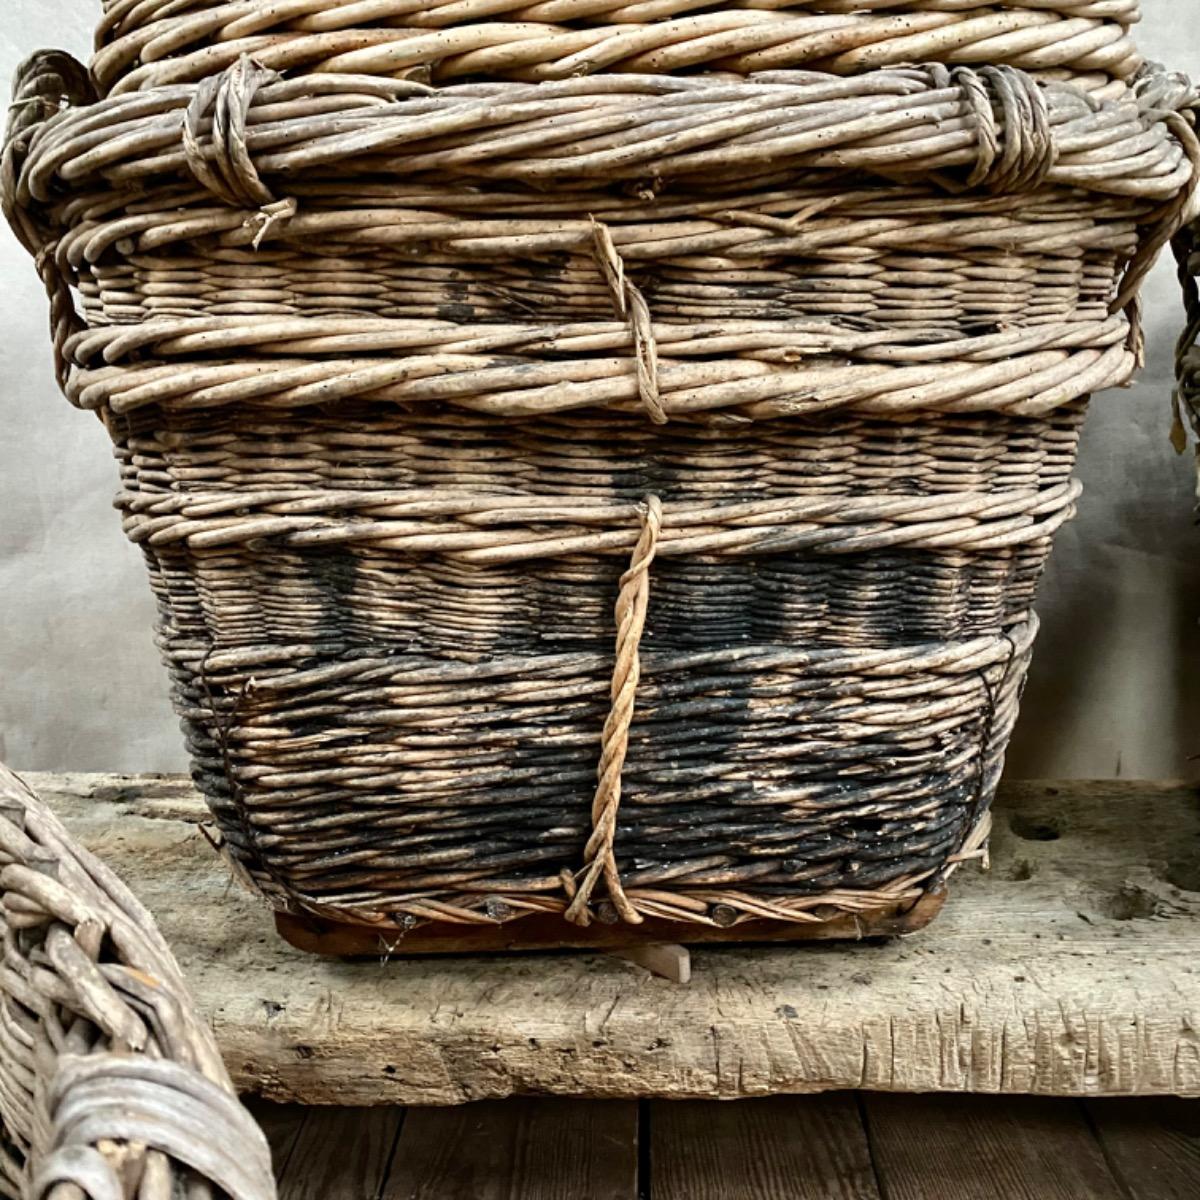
1070, 969
543, 1149
781, 1148
842, 1146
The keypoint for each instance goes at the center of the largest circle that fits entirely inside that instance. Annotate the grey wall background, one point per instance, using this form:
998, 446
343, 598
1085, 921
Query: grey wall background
1116, 686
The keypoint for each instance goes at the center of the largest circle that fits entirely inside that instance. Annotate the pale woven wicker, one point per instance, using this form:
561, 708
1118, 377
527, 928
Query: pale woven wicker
148, 42
110, 1085
401, 379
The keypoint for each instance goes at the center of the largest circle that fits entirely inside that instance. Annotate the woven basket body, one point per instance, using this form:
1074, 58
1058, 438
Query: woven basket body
1187, 360
112, 1085
703, 436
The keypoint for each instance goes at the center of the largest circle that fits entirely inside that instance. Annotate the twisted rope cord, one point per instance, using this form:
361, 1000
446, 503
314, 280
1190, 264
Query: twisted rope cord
122, 17
632, 603
1173, 216
495, 529
65, 321
890, 121
1028, 385
44, 84
631, 307
449, 38
1174, 94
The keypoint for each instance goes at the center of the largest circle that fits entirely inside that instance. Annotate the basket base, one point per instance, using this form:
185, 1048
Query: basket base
348, 939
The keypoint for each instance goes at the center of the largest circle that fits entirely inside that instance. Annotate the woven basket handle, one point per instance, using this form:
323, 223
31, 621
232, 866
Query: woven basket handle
44, 85
1177, 102
1174, 216
1184, 246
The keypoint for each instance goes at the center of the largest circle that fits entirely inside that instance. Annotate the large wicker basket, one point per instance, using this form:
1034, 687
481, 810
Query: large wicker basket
110, 1085
410, 386
1187, 357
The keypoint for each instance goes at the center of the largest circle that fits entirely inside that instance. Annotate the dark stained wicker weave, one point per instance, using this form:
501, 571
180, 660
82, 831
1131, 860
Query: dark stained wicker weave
1187, 359
110, 1085
409, 386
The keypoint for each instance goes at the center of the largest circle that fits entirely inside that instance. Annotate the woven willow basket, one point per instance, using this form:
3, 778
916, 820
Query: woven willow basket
1187, 359
604, 502
110, 1085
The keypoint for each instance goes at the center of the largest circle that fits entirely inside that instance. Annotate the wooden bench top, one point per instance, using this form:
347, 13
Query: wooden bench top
1072, 967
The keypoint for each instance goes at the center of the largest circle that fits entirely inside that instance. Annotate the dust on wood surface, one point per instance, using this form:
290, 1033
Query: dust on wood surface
1070, 968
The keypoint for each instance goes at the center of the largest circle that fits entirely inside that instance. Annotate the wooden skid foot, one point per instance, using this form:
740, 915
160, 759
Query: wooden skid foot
671, 962
345, 939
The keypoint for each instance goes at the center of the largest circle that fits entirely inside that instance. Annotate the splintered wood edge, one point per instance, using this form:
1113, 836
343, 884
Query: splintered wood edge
1072, 968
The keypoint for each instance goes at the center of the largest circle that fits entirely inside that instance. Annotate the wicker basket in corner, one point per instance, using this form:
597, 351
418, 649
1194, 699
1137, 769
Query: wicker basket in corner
1187, 355
110, 1084
606, 506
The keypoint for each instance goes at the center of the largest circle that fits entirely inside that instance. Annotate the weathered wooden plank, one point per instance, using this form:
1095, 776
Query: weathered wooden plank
282, 1124
526, 1149
986, 1148
1153, 1145
782, 1148
540, 933
1070, 969
341, 1154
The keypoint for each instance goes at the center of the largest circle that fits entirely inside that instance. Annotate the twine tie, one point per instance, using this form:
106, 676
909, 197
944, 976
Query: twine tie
632, 602
631, 307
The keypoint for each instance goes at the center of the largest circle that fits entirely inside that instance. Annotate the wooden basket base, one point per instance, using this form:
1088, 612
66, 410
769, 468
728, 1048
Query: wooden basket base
348, 939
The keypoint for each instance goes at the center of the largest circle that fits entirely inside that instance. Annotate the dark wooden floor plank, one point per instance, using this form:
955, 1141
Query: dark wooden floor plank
281, 1123
986, 1148
341, 1154
1153, 1145
518, 1150
783, 1148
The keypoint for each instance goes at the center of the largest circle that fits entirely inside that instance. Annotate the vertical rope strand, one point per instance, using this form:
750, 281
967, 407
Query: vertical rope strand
632, 603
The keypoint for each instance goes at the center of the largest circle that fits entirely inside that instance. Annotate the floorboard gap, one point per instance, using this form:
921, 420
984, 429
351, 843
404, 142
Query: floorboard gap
865, 1118
391, 1158
644, 1163
1114, 1167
